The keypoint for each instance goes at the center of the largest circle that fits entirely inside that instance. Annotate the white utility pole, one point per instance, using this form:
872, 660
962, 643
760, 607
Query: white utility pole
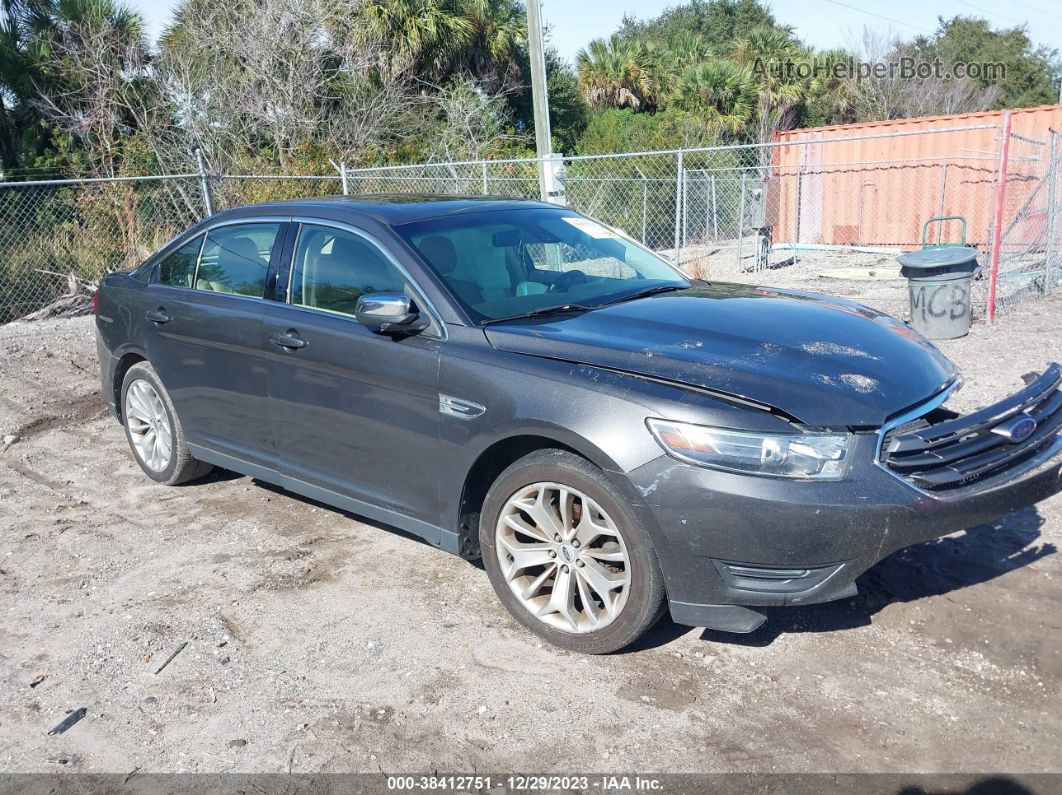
540, 98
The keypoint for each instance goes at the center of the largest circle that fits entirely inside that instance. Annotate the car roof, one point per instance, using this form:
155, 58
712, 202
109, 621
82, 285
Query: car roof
389, 208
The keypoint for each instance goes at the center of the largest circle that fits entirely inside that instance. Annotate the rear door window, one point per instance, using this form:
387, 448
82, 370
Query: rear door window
333, 268
178, 269
236, 259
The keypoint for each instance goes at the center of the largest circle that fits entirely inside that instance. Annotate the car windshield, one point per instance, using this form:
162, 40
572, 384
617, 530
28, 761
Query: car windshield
505, 264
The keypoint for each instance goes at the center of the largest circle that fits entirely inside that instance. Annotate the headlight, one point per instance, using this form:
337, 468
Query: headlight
798, 455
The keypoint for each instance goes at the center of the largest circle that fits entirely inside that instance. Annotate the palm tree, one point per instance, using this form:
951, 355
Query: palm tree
671, 57
618, 73
421, 35
436, 39
769, 53
47, 23
16, 83
722, 92
826, 92
499, 30
65, 60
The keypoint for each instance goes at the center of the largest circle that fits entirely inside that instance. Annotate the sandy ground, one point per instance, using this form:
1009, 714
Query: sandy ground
318, 642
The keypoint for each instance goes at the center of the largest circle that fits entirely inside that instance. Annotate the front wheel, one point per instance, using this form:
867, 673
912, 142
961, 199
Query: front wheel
567, 555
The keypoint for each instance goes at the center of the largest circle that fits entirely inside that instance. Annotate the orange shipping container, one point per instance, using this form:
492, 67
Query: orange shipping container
875, 184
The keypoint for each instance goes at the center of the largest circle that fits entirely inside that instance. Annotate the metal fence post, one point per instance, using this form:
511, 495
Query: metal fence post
709, 208
645, 205
997, 231
483, 169
715, 212
678, 206
686, 206
343, 177
1052, 199
943, 192
204, 184
741, 223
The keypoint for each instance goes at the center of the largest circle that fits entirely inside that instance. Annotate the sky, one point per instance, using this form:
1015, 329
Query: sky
820, 23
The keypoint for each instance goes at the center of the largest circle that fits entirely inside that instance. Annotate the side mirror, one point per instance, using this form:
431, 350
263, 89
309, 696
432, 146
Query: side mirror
389, 313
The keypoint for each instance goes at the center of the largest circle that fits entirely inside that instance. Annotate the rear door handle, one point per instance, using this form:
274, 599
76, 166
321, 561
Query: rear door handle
158, 316
289, 339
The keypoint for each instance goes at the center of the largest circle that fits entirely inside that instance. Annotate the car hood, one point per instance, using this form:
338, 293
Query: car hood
825, 361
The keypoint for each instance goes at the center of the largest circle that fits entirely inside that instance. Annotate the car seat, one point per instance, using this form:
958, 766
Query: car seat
243, 267
440, 252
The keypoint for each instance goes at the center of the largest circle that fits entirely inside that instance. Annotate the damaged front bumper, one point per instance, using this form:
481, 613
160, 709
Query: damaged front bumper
728, 542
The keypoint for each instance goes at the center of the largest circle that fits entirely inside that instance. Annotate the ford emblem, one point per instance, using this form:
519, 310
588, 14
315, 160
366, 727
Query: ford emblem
1016, 430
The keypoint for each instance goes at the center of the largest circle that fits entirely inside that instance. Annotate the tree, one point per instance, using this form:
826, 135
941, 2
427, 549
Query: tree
86, 61
894, 96
626, 130
828, 96
271, 80
499, 35
689, 34
719, 23
16, 83
437, 39
769, 54
568, 111
617, 73
721, 92
472, 124
1031, 73
421, 35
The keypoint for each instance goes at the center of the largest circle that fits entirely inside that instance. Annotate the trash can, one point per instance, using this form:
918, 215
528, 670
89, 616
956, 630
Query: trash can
938, 282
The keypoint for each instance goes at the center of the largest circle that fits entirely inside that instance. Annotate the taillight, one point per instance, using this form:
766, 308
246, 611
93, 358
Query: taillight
96, 302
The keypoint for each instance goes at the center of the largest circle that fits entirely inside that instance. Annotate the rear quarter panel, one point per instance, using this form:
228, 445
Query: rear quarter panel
118, 327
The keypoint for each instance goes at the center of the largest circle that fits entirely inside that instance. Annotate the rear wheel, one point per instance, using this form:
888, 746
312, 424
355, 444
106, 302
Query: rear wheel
567, 556
153, 430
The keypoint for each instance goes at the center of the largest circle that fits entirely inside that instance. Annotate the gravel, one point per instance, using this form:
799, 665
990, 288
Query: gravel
320, 642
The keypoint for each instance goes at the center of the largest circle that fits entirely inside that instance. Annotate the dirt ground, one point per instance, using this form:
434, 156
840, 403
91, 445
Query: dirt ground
320, 642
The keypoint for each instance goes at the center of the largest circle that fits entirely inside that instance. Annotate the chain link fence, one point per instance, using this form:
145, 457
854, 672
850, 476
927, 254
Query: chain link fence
726, 212
52, 229
1030, 244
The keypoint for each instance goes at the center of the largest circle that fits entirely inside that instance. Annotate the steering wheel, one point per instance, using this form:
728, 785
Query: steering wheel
567, 280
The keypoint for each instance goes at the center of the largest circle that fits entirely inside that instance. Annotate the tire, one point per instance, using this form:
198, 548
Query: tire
147, 414
602, 543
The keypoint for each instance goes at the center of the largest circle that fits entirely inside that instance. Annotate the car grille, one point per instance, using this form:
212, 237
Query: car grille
942, 451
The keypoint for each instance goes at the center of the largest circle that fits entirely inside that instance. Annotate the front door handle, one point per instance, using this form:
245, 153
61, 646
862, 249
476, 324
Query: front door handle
288, 339
157, 316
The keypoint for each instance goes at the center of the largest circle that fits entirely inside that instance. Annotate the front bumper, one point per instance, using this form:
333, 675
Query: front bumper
730, 539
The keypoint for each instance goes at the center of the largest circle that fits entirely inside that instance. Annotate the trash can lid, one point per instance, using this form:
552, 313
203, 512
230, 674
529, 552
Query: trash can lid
939, 257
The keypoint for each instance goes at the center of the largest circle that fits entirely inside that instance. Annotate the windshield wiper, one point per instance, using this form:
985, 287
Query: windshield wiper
540, 312
660, 288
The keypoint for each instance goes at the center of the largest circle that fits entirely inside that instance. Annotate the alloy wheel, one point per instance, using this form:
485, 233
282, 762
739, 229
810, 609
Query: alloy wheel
149, 425
563, 557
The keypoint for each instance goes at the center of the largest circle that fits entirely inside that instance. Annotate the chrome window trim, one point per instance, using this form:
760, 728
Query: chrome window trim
209, 292
291, 268
236, 222
248, 219
373, 241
